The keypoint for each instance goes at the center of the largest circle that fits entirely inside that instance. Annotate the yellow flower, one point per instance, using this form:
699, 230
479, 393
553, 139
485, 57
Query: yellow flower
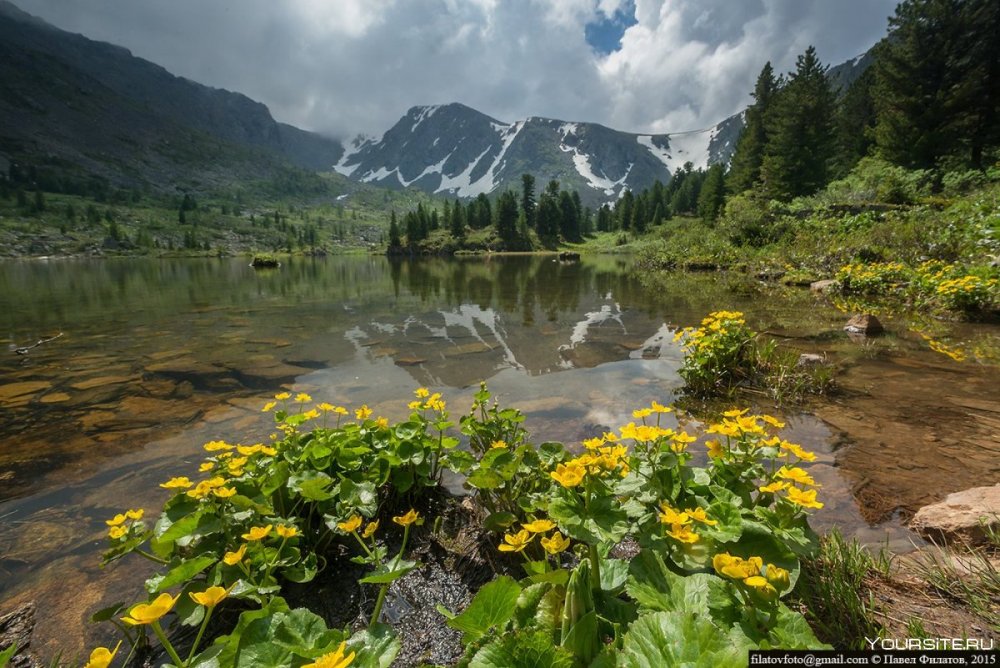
340, 410
516, 542
774, 487
286, 531
642, 412
682, 533
214, 446
335, 659
248, 450
805, 499
660, 408
672, 516
715, 449
555, 543
282, 396
370, 529
382, 423
201, 490
303, 398
351, 524
206, 466
415, 405
211, 597
736, 567
257, 533
778, 577
268, 406
135, 514
798, 451
680, 441
773, 421
101, 657
735, 413
796, 475
116, 520
363, 413
568, 475
498, 444
539, 526
180, 482
407, 519
311, 414
325, 407
593, 443
224, 492
236, 463
233, 558
114, 533
421, 393
147, 613
761, 585
268, 451
699, 515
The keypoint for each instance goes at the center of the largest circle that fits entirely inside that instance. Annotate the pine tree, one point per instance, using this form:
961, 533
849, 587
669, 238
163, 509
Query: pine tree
528, 199
713, 193
569, 221
457, 227
749, 155
394, 240
547, 218
623, 211
639, 214
800, 132
507, 212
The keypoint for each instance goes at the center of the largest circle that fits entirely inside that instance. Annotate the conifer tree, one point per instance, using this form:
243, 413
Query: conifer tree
507, 212
394, 240
569, 221
457, 227
854, 124
749, 155
713, 193
547, 217
800, 132
528, 199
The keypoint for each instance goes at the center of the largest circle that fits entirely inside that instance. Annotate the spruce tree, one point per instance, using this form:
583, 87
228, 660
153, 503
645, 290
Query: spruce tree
457, 227
394, 240
528, 199
713, 193
854, 124
800, 132
507, 213
569, 221
749, 155
547, 218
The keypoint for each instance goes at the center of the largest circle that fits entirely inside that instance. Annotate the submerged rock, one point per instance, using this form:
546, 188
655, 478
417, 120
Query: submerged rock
961, 517
15, 629
864, 323
810, 359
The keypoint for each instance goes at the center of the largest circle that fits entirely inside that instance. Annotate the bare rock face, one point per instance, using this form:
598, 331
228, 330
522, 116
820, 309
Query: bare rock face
866, 324
961, 516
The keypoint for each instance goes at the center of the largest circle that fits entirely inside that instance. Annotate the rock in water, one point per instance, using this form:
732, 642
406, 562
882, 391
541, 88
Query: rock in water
961, 516
810, 359
826, 285
866, 324
15, 628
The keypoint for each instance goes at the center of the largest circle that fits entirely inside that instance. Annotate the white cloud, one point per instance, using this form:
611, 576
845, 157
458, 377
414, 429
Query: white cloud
356, 65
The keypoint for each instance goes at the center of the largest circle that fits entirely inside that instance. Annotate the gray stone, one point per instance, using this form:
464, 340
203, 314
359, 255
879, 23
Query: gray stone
961, 516
810, 359
825, 285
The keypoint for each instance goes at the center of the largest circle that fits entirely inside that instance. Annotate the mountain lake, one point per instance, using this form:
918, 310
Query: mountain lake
157, 357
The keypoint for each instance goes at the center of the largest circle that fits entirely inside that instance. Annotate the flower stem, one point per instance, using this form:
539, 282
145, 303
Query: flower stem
377, 612
167, 646
595, 568
201, 632
151, 557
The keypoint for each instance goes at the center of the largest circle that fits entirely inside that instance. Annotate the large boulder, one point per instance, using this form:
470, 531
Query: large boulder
865, 323
961, 517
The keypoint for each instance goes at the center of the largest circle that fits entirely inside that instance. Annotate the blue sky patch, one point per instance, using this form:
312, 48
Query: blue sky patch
605, 35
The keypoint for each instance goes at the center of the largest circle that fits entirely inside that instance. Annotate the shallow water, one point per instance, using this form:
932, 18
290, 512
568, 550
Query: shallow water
157, 357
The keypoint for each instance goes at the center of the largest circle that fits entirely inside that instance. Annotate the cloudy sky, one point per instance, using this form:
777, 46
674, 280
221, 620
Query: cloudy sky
344, 67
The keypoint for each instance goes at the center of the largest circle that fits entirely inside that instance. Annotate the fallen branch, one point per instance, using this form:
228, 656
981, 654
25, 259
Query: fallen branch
25, 349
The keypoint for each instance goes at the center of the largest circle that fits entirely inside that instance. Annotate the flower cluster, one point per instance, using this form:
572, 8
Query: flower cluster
552, 544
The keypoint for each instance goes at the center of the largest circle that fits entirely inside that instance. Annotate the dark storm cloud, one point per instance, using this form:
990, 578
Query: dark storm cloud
356, 65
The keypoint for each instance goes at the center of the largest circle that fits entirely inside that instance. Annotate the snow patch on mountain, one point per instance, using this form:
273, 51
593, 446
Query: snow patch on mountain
659, 152
486, 182
689, 147
461, 183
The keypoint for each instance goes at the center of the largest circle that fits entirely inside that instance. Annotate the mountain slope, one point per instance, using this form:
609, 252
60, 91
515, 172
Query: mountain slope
93, 104
455, 150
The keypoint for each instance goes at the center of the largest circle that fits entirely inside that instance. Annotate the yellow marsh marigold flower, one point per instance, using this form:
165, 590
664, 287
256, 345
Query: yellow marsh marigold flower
201, 490
215, 446
135, 514
715, 449
642, 412
351, 524
102, 657
224, 492
206, 467
736, 567
734, 413
682, 533
773, 421
233, 558
268, 451
237, 463
761, 586
699, 515
568, 475
257, 533
268, 406
303, 398
335, 659
248, 450
798, 451
286, 531
778, 577
382, 423
498, 444
363, 413
325, 407
211, 597
593, 443
516, 542
282, 396
114, 533
539, 526
311, 414
421, 393
672, 516
555, 543
796, 475
180, 482
370, 529
657, 407
116, 520
805, 499
415, 405
774, 487
147, 613
726, 428
407, 519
